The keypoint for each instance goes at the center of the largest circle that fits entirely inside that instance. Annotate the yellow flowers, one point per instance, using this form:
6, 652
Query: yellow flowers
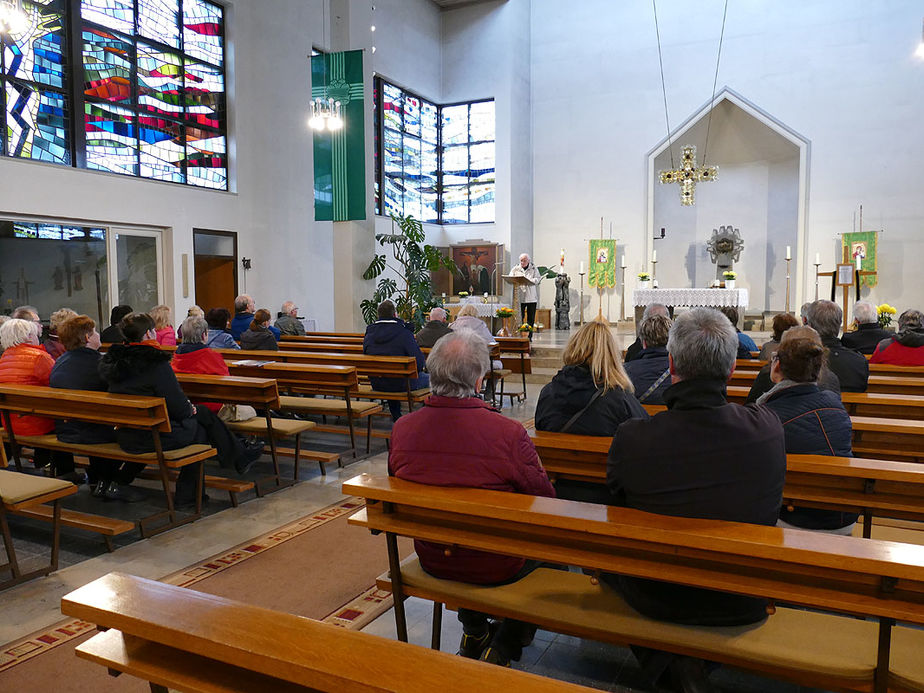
525, 327
504, 313
886, 308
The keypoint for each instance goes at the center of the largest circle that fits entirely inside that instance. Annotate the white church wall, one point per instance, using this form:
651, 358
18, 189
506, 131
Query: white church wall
840, 73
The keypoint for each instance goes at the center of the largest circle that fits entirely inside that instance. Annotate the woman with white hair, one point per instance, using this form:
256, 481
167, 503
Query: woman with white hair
529, 293
468, 319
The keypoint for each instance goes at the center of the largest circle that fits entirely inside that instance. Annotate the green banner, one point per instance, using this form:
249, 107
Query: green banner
862, 244
602, 273
339, 157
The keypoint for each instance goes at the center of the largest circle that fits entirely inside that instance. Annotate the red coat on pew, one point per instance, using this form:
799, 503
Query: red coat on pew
27, 364
199, 359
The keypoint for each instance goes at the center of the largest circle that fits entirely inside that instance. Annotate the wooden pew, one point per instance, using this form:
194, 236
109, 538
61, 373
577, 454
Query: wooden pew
846, 575
883, 384
322, 347
309, 379
884, 406
318, 339
338, 335
128, 411
870, 487
19, 492
178, 638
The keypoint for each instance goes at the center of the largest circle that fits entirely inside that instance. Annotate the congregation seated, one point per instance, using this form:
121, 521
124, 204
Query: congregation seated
113, 333
635, 348
78, 369
52, 342
435, 328
826, 379
781, 323
245, 309
702, 458
467, 319
391, 336
25, 362
814, 420
193, 311
163, 327
257, 336
649, 371
219, 337
868, 333
288, 322
745, 344
850, 367
485, 450
141, 368
905, 348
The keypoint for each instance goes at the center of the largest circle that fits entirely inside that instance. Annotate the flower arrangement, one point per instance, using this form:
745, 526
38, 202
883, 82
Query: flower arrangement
886, 312
525, 327
463, 294
730, 275
644, 276
504, 313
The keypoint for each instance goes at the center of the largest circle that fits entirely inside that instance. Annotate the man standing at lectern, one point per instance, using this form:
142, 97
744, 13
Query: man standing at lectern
529, 293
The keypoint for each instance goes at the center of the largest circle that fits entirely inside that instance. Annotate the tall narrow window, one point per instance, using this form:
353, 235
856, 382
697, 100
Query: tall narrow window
34, 110
468, 162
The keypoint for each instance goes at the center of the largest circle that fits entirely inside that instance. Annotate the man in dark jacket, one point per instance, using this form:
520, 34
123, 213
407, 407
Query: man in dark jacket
649, 371
435, 328
635, 348
702, 458
391, 336
907, 347
485, 450
113, 333
868, 333
244, 308
850, 367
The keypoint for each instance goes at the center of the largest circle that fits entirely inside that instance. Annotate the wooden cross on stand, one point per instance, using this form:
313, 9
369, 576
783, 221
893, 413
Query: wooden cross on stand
688, 175
836, 281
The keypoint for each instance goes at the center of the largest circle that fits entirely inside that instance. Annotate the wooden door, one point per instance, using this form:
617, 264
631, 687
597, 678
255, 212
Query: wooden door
215, 282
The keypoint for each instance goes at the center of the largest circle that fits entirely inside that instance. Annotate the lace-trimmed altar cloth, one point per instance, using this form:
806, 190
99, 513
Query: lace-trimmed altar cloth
691, 297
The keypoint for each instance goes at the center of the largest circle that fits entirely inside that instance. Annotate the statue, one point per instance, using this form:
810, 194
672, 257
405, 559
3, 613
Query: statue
725, 247
562, 302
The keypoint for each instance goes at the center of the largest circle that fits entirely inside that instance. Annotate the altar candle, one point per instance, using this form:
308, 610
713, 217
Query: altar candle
562, 263
817, 258
654, 255
485, 294
622, 261
788, 253
582, 267
444, 296
859, 262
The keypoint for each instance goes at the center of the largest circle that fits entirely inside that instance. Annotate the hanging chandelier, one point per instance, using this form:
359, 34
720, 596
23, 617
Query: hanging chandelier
13, 19
326, 114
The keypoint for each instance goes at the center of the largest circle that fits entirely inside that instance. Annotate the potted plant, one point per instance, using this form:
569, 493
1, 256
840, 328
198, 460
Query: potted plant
504, 314
525, 329
644, 280
412, 262
886, 312
730, 279
462, 296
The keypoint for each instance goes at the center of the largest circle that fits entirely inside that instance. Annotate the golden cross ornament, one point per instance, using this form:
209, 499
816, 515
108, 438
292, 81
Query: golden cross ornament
688, 175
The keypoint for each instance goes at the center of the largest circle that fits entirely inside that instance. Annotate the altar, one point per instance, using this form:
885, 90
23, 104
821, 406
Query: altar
690, 298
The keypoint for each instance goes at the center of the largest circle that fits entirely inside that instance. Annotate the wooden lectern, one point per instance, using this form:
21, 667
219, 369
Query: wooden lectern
845, 284
516, 281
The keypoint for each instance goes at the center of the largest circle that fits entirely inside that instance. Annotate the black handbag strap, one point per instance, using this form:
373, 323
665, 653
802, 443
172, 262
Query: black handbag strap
654, 386
577, 416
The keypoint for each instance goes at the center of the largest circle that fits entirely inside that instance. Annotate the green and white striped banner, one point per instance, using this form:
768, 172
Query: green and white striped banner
339, 157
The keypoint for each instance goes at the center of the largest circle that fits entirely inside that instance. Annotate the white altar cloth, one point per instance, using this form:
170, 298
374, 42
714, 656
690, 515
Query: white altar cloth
484, 310
691, 297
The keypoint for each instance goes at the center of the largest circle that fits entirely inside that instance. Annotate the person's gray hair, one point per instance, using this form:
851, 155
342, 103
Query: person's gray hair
911, 320
825, 316
16, 331
287, 307
805, 312
655, 309
865, 312
241, 303
25, 313
702, 344
456, 363
193, 328
438, 314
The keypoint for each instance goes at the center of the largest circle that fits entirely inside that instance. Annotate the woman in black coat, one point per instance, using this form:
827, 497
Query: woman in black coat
590, 396
814, 421
258, 337
77, 369
649, 371
141, 368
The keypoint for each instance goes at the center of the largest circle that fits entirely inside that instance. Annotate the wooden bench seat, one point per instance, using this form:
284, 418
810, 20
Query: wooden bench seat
187, 640
107, 527
21, 493
843, 575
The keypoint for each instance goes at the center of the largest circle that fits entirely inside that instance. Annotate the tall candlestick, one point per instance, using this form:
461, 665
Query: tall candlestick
654, 255
622, 262
788, 253
817, 258
581, 271
859, 263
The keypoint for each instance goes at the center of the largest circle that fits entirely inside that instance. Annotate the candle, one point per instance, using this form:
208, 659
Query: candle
444, 295
859, 262
582, 267
817, 258
622, 261
562, 263
788, 253
485, 294
654, 255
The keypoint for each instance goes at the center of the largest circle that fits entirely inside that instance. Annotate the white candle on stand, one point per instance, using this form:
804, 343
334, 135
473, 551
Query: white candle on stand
582, 267
788, 253
622, 261
817, 258
859, 262
654, 255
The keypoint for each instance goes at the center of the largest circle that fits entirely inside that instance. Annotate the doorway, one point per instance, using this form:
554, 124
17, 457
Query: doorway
215, 267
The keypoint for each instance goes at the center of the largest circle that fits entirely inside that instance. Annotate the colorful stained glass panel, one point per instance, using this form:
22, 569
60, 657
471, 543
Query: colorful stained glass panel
107, 66
161, 149
115, 14
412, 115
36, 124
481, 202
204, 94
203, 28
394, 158
160, 20
455, 124
455, 165
428, 122
37, 54
455, 203
207, 162
160, 81
481, 121
481, 166
392, 106
111, 135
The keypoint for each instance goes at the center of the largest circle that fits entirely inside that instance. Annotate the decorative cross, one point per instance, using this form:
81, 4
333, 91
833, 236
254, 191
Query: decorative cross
688, 175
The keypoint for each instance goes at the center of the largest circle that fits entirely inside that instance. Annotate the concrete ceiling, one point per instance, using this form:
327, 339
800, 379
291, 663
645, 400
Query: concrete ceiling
449, 4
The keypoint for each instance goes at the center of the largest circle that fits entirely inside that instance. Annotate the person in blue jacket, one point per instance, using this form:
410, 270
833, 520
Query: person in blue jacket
391, 336
244, 308
745, 344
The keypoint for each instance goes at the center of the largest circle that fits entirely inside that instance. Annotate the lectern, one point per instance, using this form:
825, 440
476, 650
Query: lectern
516, 281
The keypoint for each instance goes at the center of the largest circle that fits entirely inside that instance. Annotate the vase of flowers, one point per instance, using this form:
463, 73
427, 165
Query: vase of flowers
730, 278
886, 312
644, 280
504, 314
525, 329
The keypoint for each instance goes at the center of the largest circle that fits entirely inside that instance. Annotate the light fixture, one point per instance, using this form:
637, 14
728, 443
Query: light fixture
920, 51
13, 19
326, 114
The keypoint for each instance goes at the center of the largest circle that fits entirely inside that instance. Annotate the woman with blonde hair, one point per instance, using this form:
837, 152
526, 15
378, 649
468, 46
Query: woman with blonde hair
165, 332
52, 343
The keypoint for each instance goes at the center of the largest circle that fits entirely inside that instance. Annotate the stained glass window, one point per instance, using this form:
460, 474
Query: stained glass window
34, 118
433, 162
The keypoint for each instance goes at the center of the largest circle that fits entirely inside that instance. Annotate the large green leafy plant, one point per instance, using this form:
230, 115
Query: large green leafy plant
412, 261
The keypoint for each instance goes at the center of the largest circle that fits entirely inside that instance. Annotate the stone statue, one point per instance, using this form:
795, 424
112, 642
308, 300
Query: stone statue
562, 302
725, 248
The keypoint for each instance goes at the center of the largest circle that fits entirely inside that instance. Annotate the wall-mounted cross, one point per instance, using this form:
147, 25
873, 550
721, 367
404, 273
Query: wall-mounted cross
688, 175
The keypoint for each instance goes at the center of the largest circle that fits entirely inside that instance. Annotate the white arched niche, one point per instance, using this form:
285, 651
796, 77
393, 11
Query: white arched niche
761, 189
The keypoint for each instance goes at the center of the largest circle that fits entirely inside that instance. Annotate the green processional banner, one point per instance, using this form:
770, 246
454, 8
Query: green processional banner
862, 244
602, 272
339, 157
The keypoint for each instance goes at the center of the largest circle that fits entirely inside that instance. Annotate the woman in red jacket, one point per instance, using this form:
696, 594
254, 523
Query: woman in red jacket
25, 362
